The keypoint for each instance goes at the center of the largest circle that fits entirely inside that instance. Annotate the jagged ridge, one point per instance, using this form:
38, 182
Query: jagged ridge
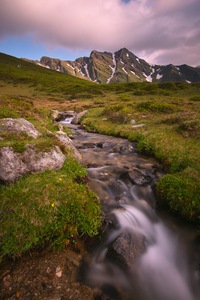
121, 66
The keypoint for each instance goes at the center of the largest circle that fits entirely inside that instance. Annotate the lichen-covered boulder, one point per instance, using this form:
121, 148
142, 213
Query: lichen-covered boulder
13, 165
67, 142
18, 125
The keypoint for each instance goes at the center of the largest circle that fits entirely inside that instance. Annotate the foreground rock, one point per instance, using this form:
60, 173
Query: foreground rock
18, 125
126, 249
13, 165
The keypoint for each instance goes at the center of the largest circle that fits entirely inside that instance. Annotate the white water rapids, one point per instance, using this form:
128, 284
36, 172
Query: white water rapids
167, 267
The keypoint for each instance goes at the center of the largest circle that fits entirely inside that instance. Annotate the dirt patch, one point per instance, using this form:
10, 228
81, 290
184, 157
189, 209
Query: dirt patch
44, 275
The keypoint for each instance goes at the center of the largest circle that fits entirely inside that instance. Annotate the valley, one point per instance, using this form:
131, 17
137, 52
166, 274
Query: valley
161, 118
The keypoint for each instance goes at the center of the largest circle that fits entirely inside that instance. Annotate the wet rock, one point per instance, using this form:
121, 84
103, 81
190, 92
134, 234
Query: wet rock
126, 249
18, 125
13, 165
78, 117
123, 148
60, 116
137, 176
88, 145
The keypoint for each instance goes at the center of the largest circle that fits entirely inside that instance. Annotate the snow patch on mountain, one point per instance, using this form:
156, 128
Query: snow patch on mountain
125, 71
113, 68
72, 68
149, 78
178, 68
159, 76
80, 71
87, 72
135, 74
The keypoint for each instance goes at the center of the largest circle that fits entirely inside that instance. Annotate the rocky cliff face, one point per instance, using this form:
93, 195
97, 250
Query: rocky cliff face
121, 66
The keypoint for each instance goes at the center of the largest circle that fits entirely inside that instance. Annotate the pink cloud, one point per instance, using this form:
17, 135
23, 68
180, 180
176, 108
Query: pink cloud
151, 26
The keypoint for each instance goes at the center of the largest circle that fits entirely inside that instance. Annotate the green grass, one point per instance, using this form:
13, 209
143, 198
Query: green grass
50, 207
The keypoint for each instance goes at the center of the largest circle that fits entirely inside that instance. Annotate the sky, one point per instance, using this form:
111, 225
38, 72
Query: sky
159, 31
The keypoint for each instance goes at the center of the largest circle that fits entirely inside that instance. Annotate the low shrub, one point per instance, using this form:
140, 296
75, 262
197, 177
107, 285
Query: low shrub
181, 193
157, 106
195, 98
190, 128
116, 113
167, 86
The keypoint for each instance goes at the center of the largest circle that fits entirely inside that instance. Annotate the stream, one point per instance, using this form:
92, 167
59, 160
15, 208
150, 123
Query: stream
144, 255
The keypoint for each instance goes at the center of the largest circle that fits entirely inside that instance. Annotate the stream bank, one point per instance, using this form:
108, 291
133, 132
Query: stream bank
124, 181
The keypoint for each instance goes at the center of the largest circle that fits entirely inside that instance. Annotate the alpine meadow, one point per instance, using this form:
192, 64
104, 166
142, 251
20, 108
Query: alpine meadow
168, 115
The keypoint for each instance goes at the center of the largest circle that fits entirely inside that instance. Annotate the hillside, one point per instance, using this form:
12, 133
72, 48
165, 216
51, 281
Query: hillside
17, 75
121, 66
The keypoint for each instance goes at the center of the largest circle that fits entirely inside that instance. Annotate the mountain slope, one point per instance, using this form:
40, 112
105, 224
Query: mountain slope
23, 75
121, 66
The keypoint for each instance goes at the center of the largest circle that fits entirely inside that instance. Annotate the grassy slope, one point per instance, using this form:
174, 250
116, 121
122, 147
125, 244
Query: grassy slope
54, 206
171, 115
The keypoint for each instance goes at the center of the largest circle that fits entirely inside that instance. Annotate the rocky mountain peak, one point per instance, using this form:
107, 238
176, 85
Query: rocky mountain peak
121, 66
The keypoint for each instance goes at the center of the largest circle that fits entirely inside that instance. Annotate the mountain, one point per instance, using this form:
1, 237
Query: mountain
121, 66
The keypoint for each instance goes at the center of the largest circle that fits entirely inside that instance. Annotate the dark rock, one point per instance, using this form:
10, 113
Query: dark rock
137, 176
126, 249
123, 148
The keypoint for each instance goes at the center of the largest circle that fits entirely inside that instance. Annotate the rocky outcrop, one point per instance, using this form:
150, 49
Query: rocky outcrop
67, 142
13, 165
76, 120
18, 125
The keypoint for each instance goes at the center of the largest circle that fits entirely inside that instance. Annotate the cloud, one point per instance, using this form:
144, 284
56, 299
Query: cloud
162, 31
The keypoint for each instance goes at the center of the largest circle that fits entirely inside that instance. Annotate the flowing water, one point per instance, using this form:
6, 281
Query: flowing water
144, 256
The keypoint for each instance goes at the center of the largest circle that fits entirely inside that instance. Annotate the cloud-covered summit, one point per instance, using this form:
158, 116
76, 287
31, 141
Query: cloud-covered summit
160, 31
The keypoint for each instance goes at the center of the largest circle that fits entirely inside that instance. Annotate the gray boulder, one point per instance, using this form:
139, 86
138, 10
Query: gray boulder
67, 142
18, 125
76, 120
13, 165
127, 248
